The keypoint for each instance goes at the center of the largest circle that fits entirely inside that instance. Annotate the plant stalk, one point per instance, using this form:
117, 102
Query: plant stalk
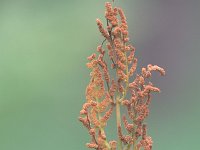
118, 116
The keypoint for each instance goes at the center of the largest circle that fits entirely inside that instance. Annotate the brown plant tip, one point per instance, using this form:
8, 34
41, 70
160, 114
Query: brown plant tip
92, 145
101, 29
107, 115
124, 138
146, 73
92, 131
149, 88
110, 14
113, 144
104, 103
120, 135
112, 88
94, 119
84, 121
100, 50
133, 68
91, 57
138, 131
102, 134
131, 56
129, 127
145, 143
126, 102
156, 68
121, 65
144, 131
83, 112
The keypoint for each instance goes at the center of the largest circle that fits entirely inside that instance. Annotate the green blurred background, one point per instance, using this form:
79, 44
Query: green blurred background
43, 50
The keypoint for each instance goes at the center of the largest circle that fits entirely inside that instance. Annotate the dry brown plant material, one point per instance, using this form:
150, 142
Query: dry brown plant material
106, 94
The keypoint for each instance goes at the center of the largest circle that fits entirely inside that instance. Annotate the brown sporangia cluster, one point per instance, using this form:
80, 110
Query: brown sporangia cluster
106, 94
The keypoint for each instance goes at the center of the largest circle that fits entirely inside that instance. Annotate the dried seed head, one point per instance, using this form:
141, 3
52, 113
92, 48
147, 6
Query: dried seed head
104, 103
92, 131
84, 121
107, 115
133, 68
92, 145
129, 127
83, 112
156, 68
113, 88
102, 30
149, 88
121, 65
93, 117
92, 57
113, 145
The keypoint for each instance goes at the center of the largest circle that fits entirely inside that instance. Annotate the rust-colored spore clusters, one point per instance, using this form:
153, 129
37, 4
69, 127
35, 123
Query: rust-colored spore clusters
106, 94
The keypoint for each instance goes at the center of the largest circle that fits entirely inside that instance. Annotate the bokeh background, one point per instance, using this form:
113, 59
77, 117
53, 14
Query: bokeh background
43, 50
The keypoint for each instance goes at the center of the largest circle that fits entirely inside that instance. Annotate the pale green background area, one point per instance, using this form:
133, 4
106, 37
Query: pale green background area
43, 50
